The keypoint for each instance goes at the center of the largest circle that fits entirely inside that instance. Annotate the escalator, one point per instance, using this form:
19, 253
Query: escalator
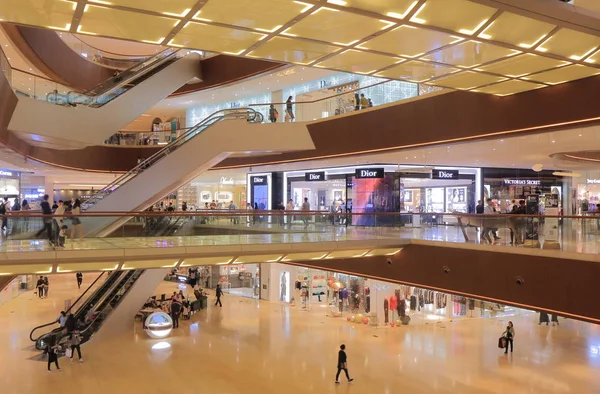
94, 312
91, 117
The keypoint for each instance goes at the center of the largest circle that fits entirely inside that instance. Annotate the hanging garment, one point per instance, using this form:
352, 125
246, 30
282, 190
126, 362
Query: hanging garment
413, 303
402, 308
368, 304
393, 303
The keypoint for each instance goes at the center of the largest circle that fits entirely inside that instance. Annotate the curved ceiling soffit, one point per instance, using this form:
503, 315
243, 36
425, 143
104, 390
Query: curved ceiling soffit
53, 57
578, 159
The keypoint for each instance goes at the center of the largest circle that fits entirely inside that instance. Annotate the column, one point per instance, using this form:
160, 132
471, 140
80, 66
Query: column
49, 188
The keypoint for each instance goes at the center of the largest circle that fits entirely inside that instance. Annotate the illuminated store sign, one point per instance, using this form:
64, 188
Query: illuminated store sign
314, 176
5, 173
366, 173
522, 182
259, 180
226, 181
593, 181
444, 174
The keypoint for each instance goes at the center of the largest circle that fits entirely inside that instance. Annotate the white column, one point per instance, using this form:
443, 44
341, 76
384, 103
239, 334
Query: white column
49, 188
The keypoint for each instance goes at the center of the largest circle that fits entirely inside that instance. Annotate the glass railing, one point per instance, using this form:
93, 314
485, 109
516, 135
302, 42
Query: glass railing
235, 114
343, 102
577, 234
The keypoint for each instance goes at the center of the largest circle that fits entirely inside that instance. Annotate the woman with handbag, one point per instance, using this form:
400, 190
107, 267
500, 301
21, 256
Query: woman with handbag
77, 231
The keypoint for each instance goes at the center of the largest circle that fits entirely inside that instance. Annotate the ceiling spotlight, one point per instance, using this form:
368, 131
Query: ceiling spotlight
537, 167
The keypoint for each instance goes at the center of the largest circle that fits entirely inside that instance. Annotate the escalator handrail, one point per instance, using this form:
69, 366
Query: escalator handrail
67, 311
122, 280
125, 280
249, 114
93, 95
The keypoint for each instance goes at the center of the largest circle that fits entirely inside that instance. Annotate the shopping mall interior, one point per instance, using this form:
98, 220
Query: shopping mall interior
217, 194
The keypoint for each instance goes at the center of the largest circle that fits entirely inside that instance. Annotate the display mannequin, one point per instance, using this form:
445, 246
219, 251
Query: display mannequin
283, 288
393, 305
386, 306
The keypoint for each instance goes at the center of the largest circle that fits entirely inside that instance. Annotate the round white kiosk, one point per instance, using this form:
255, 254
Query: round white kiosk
158, 325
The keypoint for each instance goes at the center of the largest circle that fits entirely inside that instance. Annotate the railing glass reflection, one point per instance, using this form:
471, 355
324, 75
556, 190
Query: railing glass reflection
164, 229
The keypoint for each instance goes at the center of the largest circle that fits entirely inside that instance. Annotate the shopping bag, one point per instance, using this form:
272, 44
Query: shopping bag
69, 353
502, 343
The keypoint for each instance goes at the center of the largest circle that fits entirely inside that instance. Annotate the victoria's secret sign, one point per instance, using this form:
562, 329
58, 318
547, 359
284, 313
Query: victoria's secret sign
522, 182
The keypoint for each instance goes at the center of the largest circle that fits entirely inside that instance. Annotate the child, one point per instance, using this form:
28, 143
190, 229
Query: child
62, 235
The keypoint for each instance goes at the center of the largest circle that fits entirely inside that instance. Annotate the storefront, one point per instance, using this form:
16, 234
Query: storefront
220, 189
381, 303
384, 188
540, 190
10, 185
240, 279
586, 193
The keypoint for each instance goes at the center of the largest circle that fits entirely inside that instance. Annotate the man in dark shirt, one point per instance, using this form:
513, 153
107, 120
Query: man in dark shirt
46, 210
342, 365
79, 276
479, 208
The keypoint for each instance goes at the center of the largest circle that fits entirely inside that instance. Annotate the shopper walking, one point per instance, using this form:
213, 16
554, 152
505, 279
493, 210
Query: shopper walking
480, 208
289, 112
58, 220
219, 293
554, 319
509, 334
46, 286
75, 344
342, 365
176, 306
289, 207
79, 277
51, 350
273, 114
46, 210
305, 210
77, 231
40, 287
364, 102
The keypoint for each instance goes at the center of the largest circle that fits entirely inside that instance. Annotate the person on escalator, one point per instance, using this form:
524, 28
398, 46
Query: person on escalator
70, 323
62, 319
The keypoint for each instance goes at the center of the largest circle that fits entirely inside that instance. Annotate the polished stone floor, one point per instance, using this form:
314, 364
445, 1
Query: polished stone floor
254, 347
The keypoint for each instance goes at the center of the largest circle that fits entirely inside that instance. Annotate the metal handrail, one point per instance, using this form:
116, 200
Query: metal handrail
241, 113
93, 97
67, 311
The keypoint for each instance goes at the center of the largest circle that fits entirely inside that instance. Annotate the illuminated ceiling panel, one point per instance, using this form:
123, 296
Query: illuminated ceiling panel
265, 15
136, 264
342, 254
53, 14
416, 71
292, 51
517, 66
125, 24
341, 28
517, 30
470, 54
564, 74
260, 258
25, 269
86, 266
594, 59
196, 261
392, 8
509, 87
410, 41
179, 7
570, 43
467, 80
354, 61
458, 15
305, 256
215, 38
384, 252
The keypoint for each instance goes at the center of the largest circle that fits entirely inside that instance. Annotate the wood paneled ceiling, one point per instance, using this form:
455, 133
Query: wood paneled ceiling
455, 44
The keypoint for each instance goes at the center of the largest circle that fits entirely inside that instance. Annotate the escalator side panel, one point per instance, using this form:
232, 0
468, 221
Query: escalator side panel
120, 321
193, 158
